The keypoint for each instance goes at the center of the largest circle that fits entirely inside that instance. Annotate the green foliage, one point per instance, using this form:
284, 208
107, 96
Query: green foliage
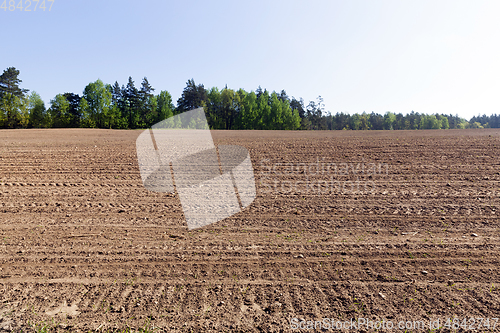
249, 111
98, 99
75, 116
24, 112
315, 113
111, 106
192, 97
38, 117
212, 106
148, 103
229, 107
59, 111
9, 83
264, 112
389, 120
165, 107
430, 122
131, 104
291, 118
9, 105
444, 122
87, 119
476, 124
12, 100
355, 122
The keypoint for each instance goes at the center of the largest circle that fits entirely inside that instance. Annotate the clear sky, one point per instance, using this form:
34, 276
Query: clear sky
426, 56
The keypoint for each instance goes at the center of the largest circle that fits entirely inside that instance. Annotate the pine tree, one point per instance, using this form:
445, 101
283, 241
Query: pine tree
259, 92
9, 83
283, 96
131, 95
147, 104
10, 95
116, 93
192, 97
299, 106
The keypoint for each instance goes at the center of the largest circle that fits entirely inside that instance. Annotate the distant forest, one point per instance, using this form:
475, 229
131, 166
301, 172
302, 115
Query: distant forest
128, 107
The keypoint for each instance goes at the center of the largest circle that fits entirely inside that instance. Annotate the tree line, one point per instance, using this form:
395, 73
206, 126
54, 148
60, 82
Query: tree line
128, 107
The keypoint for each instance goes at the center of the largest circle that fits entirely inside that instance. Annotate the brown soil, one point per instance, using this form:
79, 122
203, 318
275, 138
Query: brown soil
84, 244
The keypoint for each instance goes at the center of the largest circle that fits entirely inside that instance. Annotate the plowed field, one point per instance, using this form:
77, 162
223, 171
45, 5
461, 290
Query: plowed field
394, 226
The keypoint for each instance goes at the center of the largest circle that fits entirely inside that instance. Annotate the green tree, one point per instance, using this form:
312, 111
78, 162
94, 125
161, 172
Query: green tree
299, 106
165, 106
429, 122
112, 117
116, 116
131, 104
59, 111
389, 119
9, 83
355, 123
74, 101
276, 116
118, 106
443, 122
213, 109
24, 111
463, 125
376, 121
414, 120
98, 98
291, 118
87, 119
476, 124
10, 97
263, 111
117, 109
249, 111
365, 122
10, 107
229, 107
192, 97
37, 110
316, 116
147, 104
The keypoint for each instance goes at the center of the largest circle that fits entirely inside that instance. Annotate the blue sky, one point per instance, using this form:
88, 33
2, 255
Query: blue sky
427, 56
